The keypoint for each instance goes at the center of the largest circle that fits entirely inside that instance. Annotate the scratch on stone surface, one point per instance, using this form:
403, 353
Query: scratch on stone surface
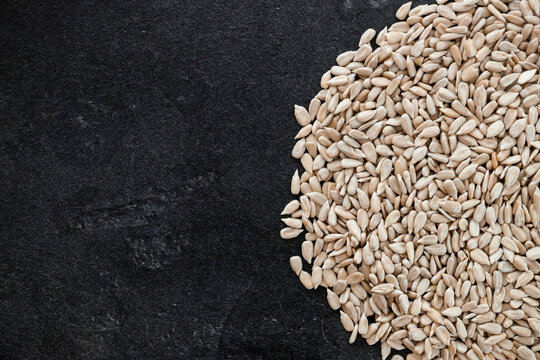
377, 4
153, 252
132, 214
326, 340
151, 225
139, 212
304, 293
230, 310
322, 331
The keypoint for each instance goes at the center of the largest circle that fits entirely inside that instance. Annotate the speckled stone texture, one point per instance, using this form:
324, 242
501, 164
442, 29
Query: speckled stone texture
144, 159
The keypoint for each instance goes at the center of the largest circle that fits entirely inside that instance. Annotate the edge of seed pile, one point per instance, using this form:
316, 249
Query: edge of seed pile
419, 194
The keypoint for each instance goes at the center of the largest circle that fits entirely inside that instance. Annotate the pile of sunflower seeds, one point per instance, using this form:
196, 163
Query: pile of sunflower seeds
420, 196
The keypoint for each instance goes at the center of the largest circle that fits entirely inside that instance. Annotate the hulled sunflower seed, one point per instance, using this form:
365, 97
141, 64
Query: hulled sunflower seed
420, 196
296, 264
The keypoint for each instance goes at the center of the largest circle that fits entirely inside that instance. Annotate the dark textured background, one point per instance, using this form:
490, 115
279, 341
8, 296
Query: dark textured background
144, 159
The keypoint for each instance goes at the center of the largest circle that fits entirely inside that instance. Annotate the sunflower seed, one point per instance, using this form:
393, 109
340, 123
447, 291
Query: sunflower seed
420, 195
403, 11
296, 264
302, 115
289, 233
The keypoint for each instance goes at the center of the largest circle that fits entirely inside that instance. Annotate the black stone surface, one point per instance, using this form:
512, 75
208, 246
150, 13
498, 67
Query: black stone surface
144, 159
